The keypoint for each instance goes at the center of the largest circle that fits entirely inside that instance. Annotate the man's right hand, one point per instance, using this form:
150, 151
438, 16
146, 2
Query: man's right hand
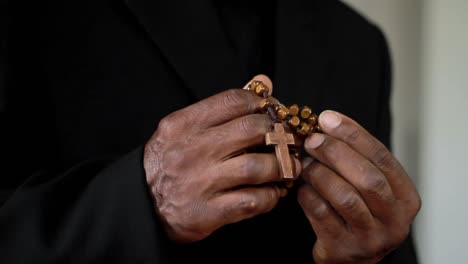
198, 175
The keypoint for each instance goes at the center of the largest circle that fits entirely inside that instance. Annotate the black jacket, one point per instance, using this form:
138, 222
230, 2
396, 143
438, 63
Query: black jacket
84, 84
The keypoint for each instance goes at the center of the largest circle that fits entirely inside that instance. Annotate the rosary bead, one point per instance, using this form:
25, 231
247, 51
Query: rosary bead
265, 103
283, 113
278, 107
294, 121
253, 85
306, 112
301, 120
294, 109
312, 120
303, 129
261, 88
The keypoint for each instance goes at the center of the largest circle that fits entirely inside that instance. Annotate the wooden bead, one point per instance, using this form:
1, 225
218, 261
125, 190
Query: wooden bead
294, 121
261, 88
283, 113
278, 107
306, 112
294, 109
253, 85
265, 103
303, 129
312, 120
278, 112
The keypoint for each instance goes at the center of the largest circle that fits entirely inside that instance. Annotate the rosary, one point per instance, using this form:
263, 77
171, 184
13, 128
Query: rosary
301, 121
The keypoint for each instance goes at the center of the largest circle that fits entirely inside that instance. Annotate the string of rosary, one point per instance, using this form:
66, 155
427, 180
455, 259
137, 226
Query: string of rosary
301, 121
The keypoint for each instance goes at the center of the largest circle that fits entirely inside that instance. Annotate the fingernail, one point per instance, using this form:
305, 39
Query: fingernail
330, 119
315, 140
306, 162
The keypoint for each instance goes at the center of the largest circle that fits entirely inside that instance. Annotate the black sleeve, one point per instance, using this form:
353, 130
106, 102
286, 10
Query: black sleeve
94, 213
406, 252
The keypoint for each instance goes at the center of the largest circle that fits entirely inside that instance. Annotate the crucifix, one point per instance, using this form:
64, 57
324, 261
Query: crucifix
281, 140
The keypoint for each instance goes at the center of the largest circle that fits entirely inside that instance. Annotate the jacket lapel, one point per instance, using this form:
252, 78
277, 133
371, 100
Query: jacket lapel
190, 36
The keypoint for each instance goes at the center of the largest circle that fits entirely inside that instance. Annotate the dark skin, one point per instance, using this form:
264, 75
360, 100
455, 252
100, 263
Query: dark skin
357, 197
197, 177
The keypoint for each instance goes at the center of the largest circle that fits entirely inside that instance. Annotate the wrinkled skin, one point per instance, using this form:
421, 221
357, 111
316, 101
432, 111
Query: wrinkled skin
198, 179
358, 198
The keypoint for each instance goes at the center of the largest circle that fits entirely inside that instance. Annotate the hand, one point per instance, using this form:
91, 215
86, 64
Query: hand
196, 176
357, 197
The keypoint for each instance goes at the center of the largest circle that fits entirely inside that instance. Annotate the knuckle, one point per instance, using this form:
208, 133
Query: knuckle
302, 195
252, 125
316, 207
383, 159
413, 205
313, 172
353, 135
376, 248
235, 98
168, 124
320, 254
248, 205
333, 149
374, 182
321, 211
174, 160
250, 166
416, 204
262, 124
348, 200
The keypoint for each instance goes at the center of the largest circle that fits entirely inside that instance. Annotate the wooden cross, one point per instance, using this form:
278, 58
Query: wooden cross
281, 140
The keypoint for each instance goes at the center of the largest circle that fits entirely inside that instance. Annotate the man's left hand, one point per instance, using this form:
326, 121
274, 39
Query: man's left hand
357, 197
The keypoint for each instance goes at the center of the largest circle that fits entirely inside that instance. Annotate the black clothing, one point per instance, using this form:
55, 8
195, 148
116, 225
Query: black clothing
86, 82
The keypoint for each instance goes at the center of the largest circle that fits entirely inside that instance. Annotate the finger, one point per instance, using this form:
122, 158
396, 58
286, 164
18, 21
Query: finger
240, 134
341, 195
245, 203
263, 78
237, 135
348, 131
358, 171
326, 223
221, 108
252, 169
